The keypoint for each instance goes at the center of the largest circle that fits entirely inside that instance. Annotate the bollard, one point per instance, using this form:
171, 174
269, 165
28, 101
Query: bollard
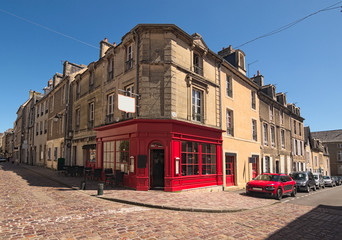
83, 185
100, 189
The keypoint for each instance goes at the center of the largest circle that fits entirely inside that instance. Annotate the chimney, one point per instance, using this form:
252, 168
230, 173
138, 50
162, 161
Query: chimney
114, 44
104, 46
259, 79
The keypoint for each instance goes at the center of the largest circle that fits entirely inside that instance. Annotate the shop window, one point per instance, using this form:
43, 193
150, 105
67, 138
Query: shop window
190, 158
108, 155
122, 155
208, 152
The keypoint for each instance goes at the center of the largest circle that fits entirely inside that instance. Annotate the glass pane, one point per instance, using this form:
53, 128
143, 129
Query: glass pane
196, 170
189, 147
183, 146
183, 158
213, 149
190, 170
190, 159
196, 147
213, 159
184, 170
196, 159
204, 159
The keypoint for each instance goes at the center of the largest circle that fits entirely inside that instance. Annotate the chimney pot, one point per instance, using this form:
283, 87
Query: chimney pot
105, 39
258, 73
114, 44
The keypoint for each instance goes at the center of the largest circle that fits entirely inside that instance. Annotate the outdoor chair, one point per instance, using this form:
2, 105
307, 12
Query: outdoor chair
109, 176
88, 173
97, 173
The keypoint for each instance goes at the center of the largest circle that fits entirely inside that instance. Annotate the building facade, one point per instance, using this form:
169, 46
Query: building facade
333, 141
240, 120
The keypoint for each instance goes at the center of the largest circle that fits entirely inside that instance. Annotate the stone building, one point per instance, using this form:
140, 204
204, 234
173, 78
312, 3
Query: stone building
275, 129
333, 141
240, 120
297, 138
171, 137
58, 142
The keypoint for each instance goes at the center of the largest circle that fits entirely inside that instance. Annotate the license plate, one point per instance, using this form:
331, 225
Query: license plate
257, 188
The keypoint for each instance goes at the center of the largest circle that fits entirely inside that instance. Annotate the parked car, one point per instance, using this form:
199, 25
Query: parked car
319, 180
273, 184
337, 180
328, 181
305, 181
2, 159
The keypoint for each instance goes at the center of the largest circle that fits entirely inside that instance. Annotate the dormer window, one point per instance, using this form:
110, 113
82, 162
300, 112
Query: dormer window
242, 61
197, 64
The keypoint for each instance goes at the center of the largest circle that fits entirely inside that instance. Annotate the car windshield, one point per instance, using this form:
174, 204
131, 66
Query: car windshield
326, 177
298, 176
316, 177
266, 177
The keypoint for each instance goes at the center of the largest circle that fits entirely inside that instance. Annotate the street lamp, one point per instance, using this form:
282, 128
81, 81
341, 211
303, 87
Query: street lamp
56, 117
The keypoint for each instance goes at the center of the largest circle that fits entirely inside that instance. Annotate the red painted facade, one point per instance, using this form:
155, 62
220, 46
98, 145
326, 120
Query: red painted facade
156, 149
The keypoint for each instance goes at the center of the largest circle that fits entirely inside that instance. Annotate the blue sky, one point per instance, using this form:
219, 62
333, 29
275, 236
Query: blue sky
305, 61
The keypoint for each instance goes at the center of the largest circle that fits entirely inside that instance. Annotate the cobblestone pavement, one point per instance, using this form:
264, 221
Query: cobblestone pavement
34, 207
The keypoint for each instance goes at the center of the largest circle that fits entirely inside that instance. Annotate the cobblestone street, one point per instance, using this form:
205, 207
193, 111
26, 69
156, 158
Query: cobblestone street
34, 207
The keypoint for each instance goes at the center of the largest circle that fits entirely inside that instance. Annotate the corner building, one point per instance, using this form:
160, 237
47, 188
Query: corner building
174, 139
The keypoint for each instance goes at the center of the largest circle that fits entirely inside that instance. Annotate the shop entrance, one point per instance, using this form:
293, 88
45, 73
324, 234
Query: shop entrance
230, 169
156, 166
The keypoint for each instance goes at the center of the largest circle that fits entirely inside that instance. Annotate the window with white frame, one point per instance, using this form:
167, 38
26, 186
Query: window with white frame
272, 136
254, 130
197, 105
253, 99
55, 154
294, 127
129, 57
129, 92
42, 109
281, 117
339, 145
230, 122
282, 136
229, 86
91, 78
91, 111
265, 130
197, 64
339, 156
300, 129
271, 113
110, 104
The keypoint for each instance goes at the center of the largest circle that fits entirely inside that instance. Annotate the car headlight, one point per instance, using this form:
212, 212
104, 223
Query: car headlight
270, 187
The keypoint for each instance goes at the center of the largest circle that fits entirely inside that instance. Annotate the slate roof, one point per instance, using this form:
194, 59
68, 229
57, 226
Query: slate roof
328, 136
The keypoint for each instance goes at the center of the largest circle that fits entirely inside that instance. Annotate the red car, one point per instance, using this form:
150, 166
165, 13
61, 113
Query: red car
275, 184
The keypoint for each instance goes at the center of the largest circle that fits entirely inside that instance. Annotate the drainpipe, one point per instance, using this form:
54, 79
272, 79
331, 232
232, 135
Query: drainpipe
223, 157
66, 124
137, 76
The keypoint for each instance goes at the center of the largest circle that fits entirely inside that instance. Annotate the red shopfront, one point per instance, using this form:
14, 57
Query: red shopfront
161, 154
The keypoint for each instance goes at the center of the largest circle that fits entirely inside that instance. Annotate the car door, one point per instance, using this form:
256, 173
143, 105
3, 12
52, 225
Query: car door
287, 185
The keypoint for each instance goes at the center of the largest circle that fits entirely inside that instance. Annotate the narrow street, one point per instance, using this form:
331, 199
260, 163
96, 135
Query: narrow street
33, 207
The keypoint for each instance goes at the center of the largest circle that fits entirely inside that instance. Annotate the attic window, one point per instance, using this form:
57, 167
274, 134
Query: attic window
241, 61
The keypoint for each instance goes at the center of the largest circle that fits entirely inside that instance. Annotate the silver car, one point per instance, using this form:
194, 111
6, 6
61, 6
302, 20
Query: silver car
328, 181
319, 180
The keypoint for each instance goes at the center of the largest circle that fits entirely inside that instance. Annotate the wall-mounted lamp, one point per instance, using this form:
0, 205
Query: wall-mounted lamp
56, 117
131, 165
177, 166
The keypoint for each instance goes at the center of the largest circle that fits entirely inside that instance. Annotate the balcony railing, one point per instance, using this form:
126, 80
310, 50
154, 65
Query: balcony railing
90, 125
109, 118
198, 70
129, 64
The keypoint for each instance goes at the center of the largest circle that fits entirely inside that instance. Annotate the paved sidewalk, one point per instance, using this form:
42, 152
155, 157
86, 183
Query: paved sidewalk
222, 201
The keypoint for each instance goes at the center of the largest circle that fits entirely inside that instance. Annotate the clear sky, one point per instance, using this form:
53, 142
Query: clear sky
305, 60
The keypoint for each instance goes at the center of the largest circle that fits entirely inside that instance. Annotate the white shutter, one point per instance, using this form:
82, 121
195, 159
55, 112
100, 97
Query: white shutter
282, 164
271, 164
264, 164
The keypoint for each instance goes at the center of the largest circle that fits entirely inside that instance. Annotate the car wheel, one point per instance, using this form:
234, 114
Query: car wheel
279, 194
314, 187
294, 191
307, 188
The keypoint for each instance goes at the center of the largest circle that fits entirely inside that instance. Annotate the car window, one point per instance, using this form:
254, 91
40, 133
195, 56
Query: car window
266, 177
298, 176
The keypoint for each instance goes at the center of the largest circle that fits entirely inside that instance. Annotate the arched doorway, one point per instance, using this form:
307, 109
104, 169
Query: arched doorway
157, 166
